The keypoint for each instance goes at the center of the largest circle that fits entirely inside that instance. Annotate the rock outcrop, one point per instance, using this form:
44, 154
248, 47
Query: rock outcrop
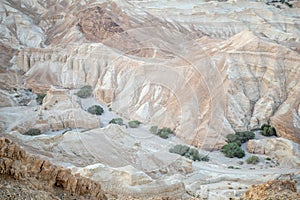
286, 151
60, 110
202, 68
97, 24
126, 182
234, 78
277, 189
16, 163
126, 164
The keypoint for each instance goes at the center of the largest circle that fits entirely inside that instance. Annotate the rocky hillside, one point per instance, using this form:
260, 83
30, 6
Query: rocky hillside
203, 69
39, 177
227, 66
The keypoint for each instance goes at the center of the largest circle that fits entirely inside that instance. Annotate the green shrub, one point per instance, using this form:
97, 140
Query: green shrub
134, 124
118, 121
233, 150
85, 92
245, 136
268, 159
240, 137
252, 160
154, 130
268, 130
164, 132
39, 98
233, 138
263, 126
180, 149
33, 132
193, 154
188, 152
95, 110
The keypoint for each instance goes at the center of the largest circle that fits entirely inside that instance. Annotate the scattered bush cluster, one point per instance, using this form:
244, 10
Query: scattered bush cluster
233, 149
188, 152
268, 130
134, 124
118, 121
240, 137
33, 132
39, 98
95, 110
163, 132
252, 160
286, 2
85, 92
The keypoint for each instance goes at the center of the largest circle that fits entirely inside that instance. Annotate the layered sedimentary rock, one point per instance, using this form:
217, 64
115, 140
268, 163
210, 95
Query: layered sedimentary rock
221, 85
60, 110
125, 182
204, 69
242, 74
127, 164
286, 151
15, 162
63, 110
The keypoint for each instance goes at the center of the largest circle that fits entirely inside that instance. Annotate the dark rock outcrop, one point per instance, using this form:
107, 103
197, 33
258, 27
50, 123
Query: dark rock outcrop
43, 175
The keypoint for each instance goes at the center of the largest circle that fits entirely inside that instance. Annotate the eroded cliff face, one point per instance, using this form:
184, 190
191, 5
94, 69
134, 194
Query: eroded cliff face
200, 72
127, 164
43, 175
60, 110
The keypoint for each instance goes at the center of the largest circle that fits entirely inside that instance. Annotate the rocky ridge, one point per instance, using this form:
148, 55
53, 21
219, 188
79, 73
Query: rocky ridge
205, 69
243, 72
43, 175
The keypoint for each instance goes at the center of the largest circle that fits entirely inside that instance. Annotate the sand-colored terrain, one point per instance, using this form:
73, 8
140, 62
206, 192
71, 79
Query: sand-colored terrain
204, 69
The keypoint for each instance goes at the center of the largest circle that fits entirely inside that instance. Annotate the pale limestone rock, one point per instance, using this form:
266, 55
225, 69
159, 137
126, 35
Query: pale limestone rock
262, 112
62, 110
120, 168
239, 84
18, 29
287, 119
150, 61
286, 151
125, 182
6, 100
132, 176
